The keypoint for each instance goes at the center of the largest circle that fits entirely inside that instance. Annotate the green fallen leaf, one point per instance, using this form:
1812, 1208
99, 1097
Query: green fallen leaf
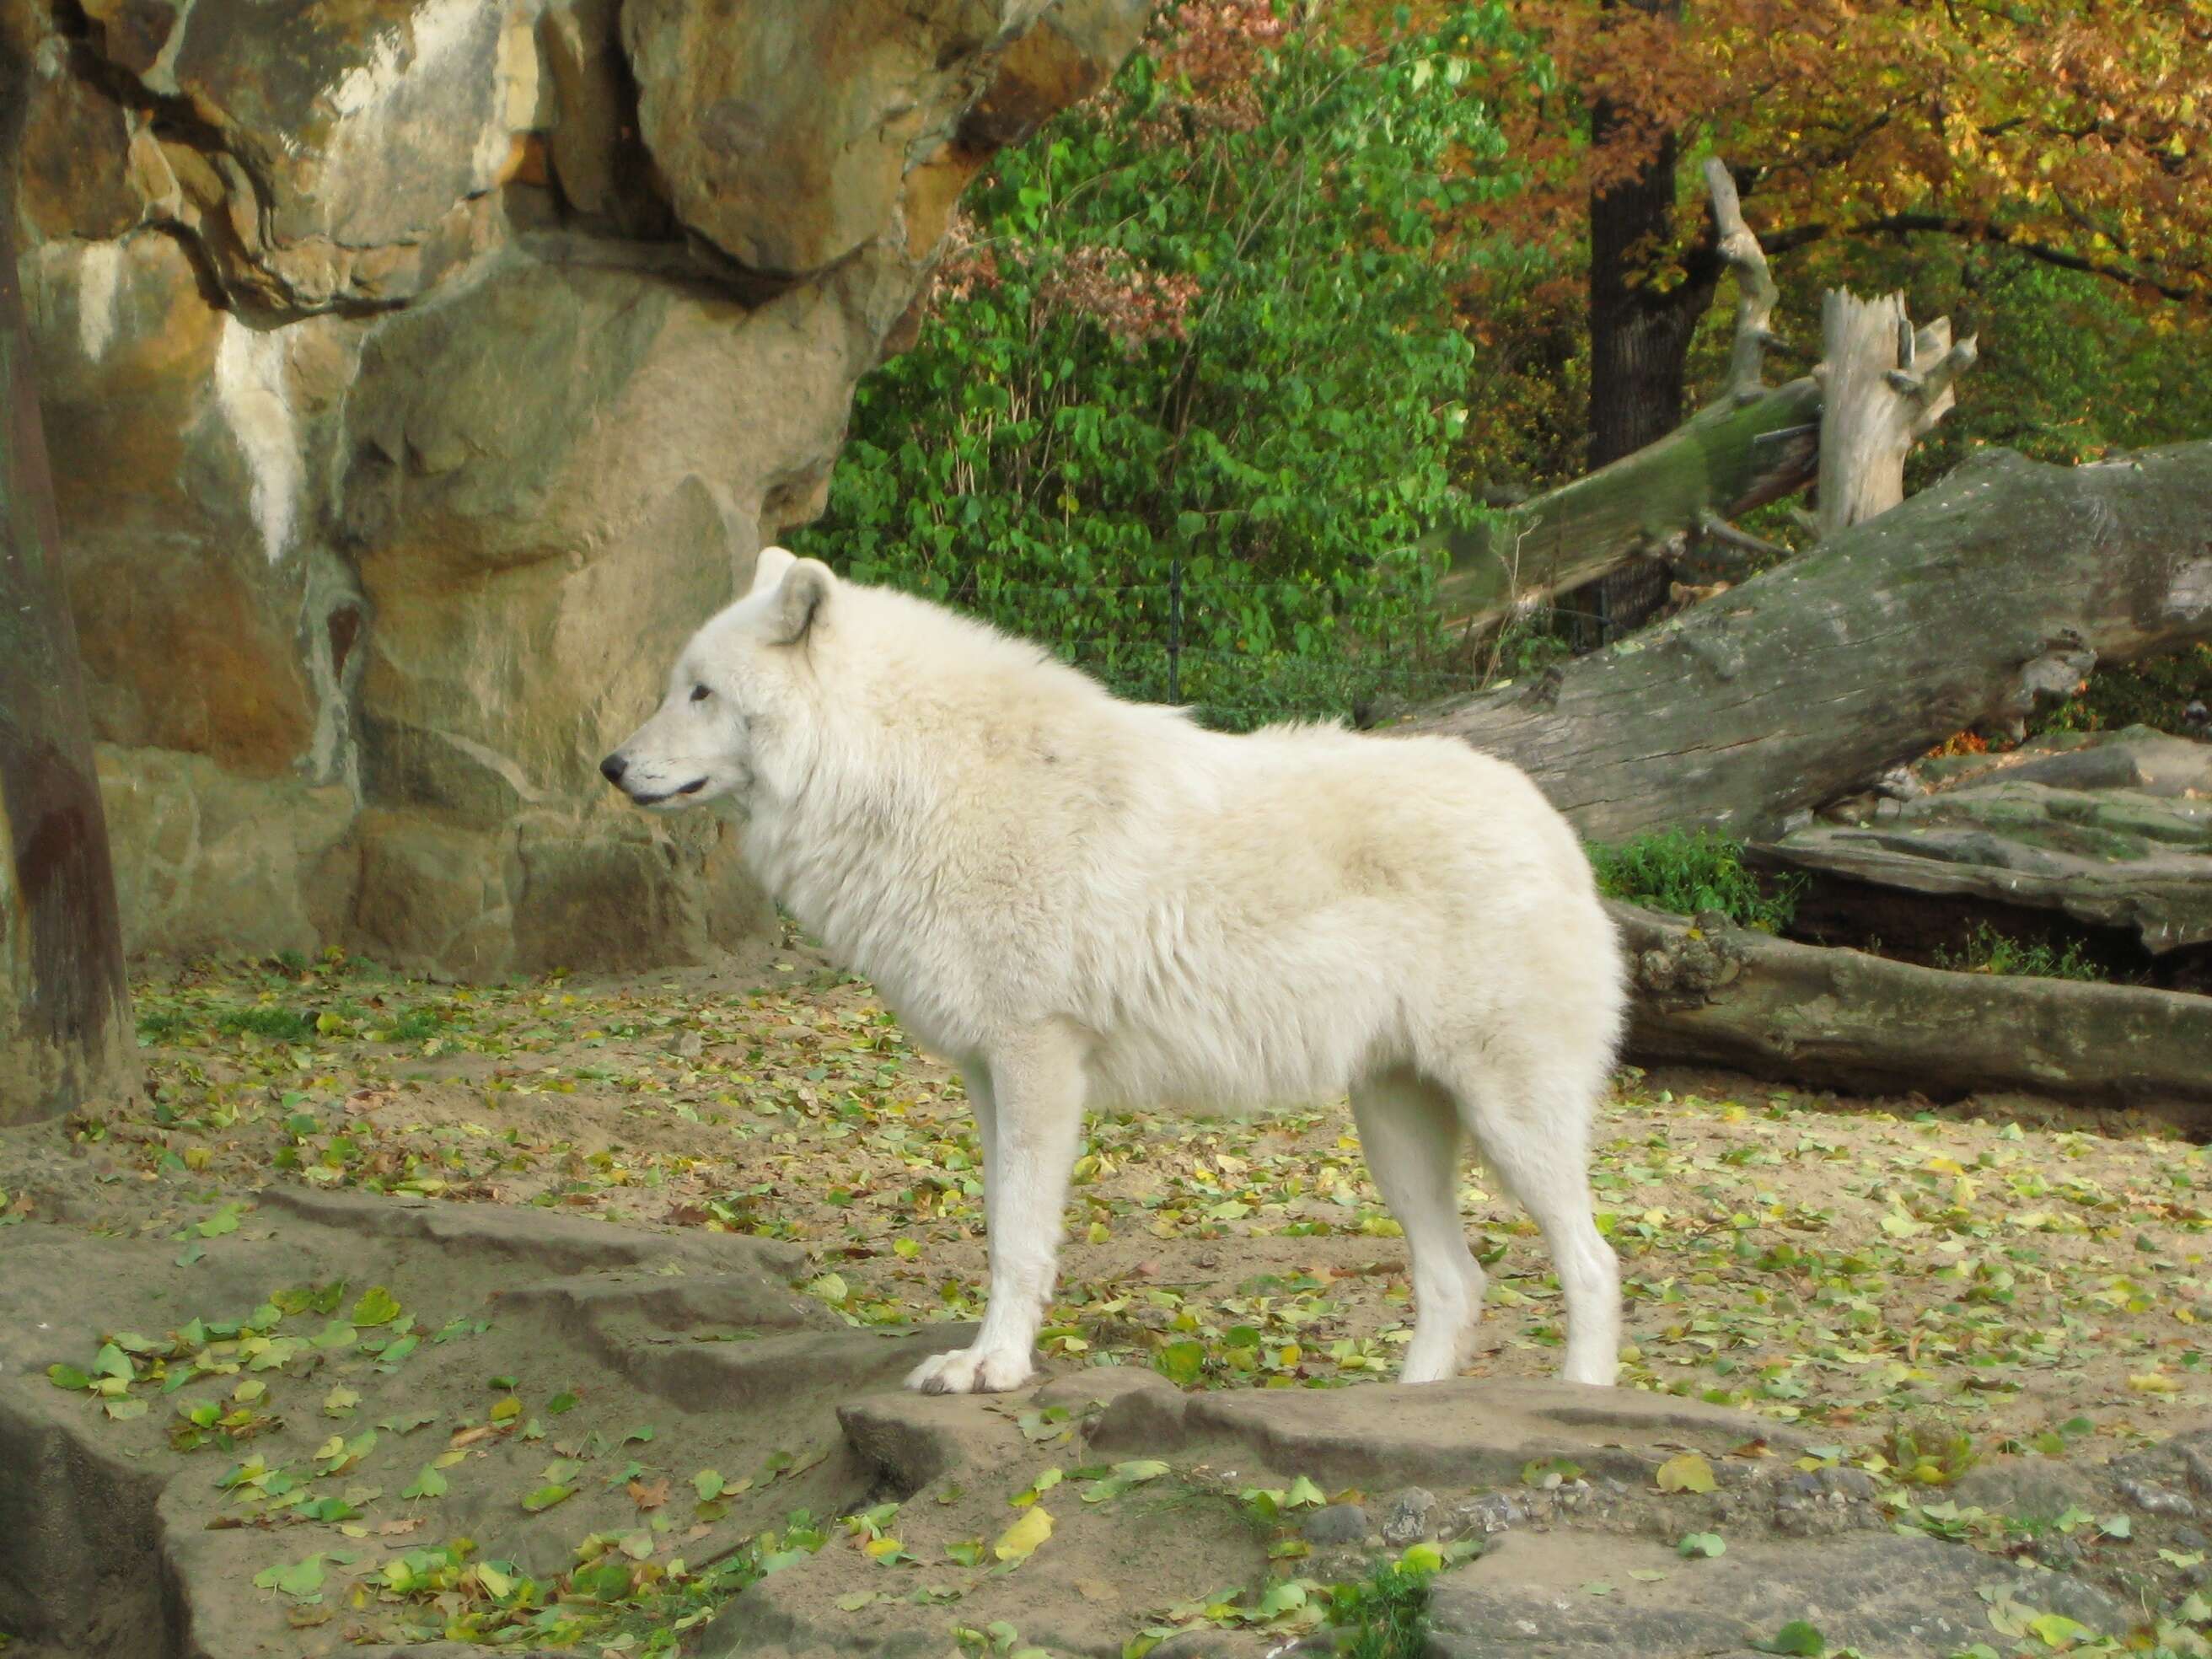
1795, 1637
545, 1498
376, 1307
299, 1580
1181, 1363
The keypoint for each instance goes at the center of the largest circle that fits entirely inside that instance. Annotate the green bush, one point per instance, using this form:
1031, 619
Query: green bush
1674, 870
1193, 374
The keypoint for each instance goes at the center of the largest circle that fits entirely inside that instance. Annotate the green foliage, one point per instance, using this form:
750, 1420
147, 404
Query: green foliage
1385, 1616
1195, 377
1672, 870
2156, 693
1989, 952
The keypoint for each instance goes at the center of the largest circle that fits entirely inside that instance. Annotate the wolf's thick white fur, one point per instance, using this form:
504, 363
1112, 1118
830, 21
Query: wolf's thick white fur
1082, 901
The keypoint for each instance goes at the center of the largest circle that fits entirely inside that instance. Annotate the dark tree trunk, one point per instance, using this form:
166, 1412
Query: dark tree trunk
1639, 338
66, 1033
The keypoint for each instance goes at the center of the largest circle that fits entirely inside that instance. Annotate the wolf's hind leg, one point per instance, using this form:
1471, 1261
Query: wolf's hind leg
1410, 1136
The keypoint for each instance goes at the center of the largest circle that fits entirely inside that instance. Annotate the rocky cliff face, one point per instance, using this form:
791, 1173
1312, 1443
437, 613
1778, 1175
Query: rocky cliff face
418, 372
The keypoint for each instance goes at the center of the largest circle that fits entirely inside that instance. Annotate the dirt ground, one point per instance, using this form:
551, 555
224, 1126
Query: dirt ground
1999, 1266
1914, 1284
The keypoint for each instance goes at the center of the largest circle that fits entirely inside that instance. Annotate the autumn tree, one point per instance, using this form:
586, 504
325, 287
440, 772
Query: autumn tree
2077, 132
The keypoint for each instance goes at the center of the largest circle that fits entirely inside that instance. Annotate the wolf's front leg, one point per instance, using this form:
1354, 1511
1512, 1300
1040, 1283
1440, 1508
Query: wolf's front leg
1029, 1116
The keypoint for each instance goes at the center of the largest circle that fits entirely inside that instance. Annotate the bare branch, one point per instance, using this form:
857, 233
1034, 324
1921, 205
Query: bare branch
1742, 544
1755, 289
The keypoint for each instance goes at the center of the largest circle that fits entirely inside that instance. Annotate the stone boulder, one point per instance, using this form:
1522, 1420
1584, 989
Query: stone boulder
418, 373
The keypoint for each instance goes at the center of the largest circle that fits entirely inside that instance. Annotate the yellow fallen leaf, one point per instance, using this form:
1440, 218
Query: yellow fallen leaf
1685, 1472
2155, 1383
1020, 1541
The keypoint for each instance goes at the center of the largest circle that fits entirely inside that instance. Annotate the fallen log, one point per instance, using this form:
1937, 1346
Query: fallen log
1706, 469
1709, 991
2006, 582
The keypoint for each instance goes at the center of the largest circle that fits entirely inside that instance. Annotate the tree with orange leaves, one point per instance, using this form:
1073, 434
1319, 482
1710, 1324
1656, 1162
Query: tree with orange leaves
2078, 132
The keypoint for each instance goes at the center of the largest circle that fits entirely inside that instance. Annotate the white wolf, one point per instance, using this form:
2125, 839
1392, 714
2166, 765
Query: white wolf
1082, 901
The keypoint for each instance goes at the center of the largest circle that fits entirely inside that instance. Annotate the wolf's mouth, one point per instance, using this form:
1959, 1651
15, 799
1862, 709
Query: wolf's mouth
690, 789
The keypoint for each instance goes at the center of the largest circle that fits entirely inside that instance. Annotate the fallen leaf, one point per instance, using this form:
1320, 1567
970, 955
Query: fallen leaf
1021, 1540
1687, 1472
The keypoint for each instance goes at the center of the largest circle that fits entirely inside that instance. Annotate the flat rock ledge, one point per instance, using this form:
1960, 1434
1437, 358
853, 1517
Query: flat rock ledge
682, 1351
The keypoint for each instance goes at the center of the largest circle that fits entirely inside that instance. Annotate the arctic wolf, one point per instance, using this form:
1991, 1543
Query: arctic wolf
1087, 903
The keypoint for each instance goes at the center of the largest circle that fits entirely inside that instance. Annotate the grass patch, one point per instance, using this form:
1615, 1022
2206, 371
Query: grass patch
1385, 1616
1676, 871
1989, 952
276, 1024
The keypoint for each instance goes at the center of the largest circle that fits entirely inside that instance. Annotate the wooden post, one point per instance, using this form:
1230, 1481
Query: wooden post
65, 1030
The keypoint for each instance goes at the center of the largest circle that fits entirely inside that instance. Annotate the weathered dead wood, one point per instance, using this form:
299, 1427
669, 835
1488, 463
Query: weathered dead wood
65, 1032
2007, 580
1750, 445
1754, 287
1749, 454
1885, 385
1708, 992
1848, 426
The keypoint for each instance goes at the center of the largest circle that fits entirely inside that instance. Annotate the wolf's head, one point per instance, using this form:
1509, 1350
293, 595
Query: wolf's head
738, 680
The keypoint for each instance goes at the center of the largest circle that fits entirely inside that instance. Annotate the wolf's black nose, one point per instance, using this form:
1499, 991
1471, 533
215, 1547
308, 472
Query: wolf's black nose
612, 768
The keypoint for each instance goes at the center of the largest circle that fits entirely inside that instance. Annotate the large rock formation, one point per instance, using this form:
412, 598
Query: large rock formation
418, 372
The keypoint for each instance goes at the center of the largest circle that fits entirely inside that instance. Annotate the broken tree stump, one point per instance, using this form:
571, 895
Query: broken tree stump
1884, 386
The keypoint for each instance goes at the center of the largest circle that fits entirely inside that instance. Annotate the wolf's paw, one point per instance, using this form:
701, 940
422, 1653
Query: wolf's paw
970, 1370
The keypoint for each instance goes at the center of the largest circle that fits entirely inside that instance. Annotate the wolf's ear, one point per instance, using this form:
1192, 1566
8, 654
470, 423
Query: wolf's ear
769, 567
805, 596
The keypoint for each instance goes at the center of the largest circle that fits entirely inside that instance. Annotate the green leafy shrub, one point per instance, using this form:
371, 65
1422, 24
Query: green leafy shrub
1676, 871
1193, 374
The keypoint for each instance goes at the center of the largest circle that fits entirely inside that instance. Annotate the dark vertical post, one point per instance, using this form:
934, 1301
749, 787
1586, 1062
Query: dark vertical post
65, 1034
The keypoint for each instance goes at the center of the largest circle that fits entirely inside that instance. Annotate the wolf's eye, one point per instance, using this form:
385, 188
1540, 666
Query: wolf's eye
700, 693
